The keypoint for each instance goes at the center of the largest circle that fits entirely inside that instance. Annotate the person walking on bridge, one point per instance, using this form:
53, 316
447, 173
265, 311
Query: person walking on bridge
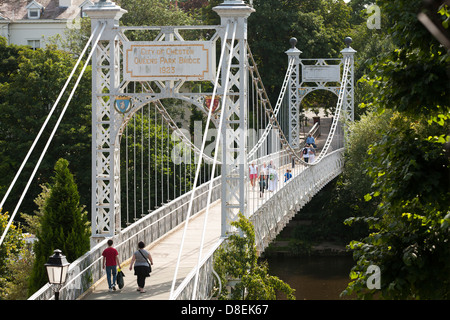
142, 265
273, 179
310, 140
110, 263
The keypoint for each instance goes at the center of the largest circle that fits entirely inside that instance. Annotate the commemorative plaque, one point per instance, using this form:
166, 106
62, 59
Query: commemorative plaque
161, 60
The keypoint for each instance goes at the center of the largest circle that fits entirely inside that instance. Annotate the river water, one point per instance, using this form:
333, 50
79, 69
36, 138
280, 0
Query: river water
315, 277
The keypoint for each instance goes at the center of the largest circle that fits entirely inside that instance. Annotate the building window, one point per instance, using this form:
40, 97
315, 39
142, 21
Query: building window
34, 13
35, 10
34, 44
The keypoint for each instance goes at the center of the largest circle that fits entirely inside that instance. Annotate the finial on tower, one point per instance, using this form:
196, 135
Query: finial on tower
348, 41
293, 42
293, 51
348, 50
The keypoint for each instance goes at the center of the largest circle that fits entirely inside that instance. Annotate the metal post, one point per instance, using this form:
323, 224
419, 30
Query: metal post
105, 147
294, 99
234, 132
349, 99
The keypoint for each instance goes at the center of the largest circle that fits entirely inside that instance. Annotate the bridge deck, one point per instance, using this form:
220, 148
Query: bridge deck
165, 251
165, 255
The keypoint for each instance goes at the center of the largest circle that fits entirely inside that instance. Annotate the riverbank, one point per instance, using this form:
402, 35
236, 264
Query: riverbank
296, 248
299, 238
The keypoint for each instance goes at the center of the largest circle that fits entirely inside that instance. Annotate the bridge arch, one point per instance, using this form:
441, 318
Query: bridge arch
314, 74
111, 76
137, 104
305, 94
157, 130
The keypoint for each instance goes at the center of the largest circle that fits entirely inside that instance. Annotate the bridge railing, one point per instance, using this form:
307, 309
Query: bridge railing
87, 270
268, 220
271, 217
206, 278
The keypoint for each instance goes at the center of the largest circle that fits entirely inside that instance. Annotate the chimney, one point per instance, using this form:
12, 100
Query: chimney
65, 3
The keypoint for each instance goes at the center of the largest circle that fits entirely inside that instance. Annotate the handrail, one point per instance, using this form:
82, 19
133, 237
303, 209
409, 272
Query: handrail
301, 189
87, 269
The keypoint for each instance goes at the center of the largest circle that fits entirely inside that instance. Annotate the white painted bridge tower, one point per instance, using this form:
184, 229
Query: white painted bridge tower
109, 84
105, 207
234, 13
309, 75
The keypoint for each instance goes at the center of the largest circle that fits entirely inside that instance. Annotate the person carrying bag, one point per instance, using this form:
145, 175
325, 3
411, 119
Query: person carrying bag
142, 266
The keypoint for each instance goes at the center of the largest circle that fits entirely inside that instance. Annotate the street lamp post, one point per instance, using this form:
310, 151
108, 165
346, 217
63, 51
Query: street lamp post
57, 267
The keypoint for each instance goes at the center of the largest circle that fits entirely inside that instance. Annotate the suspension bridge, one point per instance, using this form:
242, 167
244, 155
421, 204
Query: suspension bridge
152, 183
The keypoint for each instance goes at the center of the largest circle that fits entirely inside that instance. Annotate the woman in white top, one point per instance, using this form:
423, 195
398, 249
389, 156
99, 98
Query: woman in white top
273, 178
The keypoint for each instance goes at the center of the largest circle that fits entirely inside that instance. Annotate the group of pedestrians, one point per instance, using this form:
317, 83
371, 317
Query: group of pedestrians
142, 261
268, 177
309, 151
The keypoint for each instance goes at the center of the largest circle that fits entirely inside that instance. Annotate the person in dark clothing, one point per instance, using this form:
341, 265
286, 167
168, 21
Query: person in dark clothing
142, 261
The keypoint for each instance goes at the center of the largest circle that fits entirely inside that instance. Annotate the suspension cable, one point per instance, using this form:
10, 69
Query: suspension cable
48, 118
265, 100
215, 161
52, 134
205, 135
271, 113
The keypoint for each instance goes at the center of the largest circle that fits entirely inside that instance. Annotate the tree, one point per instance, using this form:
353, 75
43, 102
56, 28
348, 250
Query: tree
64, 224
409, 166
9, 250
8, 59
239, 260
319, 26
26, 98
19, 267
153, 13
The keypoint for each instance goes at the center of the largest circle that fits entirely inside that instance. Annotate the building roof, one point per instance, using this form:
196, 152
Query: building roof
17, 9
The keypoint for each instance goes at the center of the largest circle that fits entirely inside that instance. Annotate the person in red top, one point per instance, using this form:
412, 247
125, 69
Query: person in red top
110, 263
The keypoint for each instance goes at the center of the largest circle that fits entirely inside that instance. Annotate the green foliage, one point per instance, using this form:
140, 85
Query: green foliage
418, 62
8, 59
238, 260
64, 224
26, 98
32, 222
409, 166
411, 227
19, 267
319, 26
9, 250
153, 13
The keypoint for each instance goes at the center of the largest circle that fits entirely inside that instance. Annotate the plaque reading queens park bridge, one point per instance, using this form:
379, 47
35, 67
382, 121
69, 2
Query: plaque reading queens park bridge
160, 60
